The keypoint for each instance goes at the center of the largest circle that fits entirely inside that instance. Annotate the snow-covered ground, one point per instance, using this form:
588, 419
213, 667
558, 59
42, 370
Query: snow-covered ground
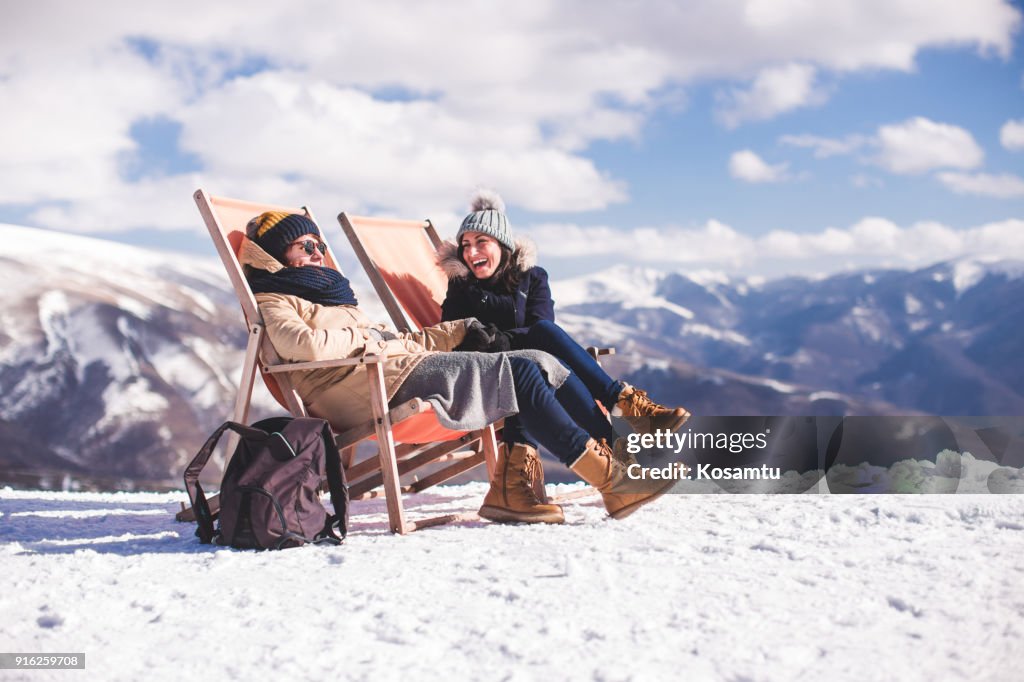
696, 587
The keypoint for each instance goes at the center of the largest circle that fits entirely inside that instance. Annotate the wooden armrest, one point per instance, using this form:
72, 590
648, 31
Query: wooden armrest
595, 351
368, 359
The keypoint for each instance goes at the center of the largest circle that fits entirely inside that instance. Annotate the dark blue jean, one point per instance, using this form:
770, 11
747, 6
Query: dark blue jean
556, 419
587, 383
550, 338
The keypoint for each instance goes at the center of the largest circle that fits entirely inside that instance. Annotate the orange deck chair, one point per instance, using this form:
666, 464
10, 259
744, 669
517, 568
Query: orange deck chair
400, 258
408, 436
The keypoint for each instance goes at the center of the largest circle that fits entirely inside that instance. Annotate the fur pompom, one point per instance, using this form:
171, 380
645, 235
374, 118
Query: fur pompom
486, 199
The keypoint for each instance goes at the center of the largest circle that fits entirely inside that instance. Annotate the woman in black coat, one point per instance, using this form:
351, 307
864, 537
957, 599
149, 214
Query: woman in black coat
495, 278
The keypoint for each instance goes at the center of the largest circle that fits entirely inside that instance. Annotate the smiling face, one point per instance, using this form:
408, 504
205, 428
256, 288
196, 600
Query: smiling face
297, 255
481, 253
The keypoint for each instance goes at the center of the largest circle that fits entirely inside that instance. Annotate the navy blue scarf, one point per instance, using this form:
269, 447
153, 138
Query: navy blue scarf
314, 283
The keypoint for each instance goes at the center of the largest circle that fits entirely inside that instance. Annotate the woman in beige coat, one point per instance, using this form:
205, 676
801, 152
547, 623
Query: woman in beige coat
311, 313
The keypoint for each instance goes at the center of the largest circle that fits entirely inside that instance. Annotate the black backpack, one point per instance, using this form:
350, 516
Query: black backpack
270, 494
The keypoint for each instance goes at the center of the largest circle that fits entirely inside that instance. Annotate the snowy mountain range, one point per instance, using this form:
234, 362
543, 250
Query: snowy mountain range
116, 362
942, 340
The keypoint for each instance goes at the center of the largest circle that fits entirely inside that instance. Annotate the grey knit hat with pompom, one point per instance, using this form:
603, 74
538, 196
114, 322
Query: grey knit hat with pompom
488, 217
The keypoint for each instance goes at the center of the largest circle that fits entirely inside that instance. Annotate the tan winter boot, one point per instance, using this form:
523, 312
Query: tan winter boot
535, 472
621, 454
511, 498
622, 495
645, 415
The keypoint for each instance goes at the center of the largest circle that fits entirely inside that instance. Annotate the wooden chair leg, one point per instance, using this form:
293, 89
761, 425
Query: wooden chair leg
245, 386
252, 347
386, 451
489, 448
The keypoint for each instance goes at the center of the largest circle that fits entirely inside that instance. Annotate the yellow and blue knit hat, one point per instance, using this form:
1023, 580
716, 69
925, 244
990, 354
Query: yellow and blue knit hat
275, 230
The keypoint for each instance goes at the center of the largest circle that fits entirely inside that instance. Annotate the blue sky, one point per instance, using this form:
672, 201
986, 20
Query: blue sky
754, 137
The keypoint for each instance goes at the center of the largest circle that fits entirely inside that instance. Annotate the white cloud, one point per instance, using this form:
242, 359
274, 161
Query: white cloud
774, 91
825, 147
872, 241
66, 136
510, 95
1011, 135
397, 154
919, 145
1003, 186
852, 34
747, 166
914, 146
714, 243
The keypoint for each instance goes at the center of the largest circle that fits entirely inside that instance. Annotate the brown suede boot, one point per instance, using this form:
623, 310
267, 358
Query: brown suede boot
645, 415
622, 495
621, 454
511, 498
535, 472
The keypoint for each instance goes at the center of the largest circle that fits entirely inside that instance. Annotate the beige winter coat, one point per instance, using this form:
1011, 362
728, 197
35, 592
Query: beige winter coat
302, 331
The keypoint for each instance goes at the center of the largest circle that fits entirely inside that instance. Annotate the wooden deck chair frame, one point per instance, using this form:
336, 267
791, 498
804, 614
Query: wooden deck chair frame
412, 299
398, 431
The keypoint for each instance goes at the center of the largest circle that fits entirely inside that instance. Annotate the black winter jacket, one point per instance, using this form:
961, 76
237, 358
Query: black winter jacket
513, 313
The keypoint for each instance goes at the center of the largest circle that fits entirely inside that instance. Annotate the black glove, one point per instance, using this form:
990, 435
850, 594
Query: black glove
485, 339
478, 338
502, 341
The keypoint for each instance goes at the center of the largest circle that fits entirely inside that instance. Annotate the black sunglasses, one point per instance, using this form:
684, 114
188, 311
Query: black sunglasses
309, 246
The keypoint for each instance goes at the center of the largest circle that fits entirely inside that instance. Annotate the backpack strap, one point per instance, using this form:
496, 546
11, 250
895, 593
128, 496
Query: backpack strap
338, 489
204, 518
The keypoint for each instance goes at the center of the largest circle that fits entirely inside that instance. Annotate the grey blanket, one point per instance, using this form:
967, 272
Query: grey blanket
471, 390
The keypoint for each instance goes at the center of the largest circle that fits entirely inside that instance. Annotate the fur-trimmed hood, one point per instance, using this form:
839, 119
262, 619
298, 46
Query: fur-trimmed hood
524, 257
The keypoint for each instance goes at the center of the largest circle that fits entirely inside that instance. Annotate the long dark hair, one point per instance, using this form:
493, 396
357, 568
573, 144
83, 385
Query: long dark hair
506, 277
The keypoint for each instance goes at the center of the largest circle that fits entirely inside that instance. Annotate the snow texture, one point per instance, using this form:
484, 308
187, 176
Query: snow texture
628, 286
967, 272
701, 587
